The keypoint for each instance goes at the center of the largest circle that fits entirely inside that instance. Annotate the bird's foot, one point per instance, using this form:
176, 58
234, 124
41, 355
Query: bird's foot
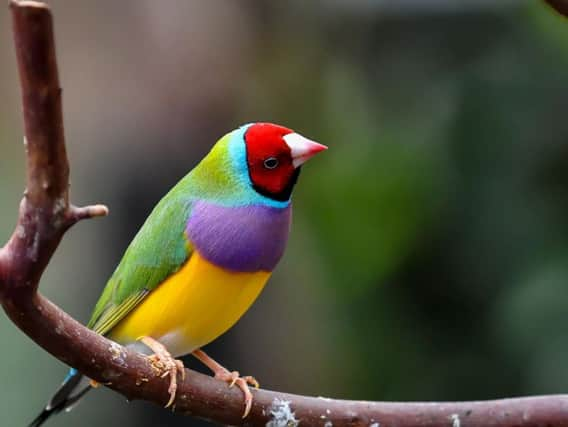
165, 365
232, 378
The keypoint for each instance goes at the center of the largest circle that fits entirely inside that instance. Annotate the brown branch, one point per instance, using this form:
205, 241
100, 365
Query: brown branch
45, 215
561, 6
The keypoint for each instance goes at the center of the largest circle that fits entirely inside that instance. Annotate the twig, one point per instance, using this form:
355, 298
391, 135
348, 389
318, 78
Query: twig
45, 215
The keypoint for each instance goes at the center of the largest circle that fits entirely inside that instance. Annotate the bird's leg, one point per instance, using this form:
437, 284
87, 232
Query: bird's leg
166, 364
233, 378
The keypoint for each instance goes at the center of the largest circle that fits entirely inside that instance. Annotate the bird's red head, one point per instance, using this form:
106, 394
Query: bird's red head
274, 157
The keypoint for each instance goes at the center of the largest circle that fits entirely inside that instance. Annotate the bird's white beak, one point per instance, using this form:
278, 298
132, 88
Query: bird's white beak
302, 149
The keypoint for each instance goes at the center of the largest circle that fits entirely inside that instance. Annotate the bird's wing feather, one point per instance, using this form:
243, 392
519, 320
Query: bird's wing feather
159, 249
115, 312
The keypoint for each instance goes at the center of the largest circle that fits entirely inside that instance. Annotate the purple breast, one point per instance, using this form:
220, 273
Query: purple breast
244, 238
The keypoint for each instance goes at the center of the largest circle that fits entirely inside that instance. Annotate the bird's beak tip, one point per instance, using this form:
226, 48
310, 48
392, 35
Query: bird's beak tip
302, 149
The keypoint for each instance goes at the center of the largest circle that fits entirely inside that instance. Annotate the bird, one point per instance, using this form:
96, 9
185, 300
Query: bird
201, 258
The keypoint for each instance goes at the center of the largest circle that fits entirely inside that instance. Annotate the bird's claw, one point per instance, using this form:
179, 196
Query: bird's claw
252, 381
180, 368
166, 365
234, 378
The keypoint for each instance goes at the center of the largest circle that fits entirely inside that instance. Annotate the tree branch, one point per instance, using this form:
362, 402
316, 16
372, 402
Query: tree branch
45, 215
561, 6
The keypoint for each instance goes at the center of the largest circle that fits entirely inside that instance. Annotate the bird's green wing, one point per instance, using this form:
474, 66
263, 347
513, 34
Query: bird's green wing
159, 249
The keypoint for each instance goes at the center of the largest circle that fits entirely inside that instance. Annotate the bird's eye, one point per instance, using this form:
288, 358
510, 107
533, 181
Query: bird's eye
271, 163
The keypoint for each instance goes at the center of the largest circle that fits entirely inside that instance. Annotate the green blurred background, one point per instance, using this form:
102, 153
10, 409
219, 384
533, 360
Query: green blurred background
429, 254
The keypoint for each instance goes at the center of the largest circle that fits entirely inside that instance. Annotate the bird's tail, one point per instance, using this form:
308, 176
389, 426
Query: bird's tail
71, 390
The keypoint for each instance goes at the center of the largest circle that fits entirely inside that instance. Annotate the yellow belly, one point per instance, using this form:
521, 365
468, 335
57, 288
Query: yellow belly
192, 307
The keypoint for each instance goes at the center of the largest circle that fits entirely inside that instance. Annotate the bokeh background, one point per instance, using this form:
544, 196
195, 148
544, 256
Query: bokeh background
429, 253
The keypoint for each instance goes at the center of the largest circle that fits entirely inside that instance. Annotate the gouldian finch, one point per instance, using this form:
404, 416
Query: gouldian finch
201, 258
